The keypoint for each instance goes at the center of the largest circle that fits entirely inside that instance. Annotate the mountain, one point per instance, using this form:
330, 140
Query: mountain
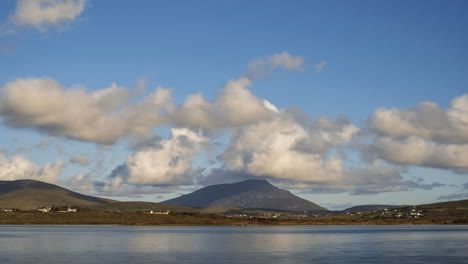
30, 194
246, 194
371, 207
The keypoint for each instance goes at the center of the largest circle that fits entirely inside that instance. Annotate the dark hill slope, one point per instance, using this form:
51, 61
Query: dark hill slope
30, 194
362, 208
246, 194
452, 204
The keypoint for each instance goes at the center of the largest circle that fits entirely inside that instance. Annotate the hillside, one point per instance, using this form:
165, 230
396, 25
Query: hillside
370, 207
453, 204
30, 194
246, 194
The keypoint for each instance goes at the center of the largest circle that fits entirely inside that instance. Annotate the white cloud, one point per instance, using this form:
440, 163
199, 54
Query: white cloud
325, 134
19, 167
426, 135
270, 149
102, 116
81, 182
234, 106
319, 66
43, 13
417, 151
82, 160
427, 120
266, 65
168, 164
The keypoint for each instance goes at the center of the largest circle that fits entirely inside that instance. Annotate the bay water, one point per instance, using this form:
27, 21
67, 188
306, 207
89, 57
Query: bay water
237, 244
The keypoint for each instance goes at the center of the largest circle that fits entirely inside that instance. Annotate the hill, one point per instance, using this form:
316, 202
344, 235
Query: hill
452, 204
370, 207
246, 194
30, 194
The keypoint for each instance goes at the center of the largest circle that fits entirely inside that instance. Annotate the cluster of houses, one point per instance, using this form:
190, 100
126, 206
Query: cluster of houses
162, 212
45, 209
413, 212
271, 215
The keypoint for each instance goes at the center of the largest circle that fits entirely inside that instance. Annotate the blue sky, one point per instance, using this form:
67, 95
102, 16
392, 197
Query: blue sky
147, 100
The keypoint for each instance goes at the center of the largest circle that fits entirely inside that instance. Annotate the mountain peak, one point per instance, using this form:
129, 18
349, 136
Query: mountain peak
251, 193
255, 181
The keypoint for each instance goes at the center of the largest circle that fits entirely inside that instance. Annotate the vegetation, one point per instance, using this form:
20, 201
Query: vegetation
400, 216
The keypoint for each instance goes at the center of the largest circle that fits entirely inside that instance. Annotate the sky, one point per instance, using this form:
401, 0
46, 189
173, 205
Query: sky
341, 102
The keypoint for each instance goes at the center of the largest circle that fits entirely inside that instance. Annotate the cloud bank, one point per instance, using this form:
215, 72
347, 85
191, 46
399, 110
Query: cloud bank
262, 141
103, 116
425, 135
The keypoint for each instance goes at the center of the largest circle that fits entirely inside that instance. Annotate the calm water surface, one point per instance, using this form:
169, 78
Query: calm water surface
270, 244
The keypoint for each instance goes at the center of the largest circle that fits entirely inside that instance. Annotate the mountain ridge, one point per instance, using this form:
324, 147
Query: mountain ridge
246, 194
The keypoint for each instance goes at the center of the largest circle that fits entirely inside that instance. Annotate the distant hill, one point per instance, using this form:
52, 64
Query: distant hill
30, 194
246, 194
453, 204
371, 207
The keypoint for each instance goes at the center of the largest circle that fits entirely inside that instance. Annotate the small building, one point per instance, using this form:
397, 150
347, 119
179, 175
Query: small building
71, 210
162, 212
6, 210
44, 209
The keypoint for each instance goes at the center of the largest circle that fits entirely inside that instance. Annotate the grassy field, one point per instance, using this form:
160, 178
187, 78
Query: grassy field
437, 216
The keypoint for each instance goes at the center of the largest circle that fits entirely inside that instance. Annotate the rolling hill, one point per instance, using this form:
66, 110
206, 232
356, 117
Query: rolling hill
30, 194
246, 194
361, 208
451, 204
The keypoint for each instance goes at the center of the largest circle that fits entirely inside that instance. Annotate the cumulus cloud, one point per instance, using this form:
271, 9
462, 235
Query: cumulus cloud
266, 65
19, 167
82, 160
234, 106
319, 66
427, 121
271, 149
106, 115
325, 134
169, 164
43, 13
426, 135
102, 116
81, 182
417, 151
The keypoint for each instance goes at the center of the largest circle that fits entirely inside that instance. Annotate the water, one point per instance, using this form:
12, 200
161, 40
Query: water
266, 244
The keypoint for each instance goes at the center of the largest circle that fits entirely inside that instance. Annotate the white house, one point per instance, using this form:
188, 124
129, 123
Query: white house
44, 209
